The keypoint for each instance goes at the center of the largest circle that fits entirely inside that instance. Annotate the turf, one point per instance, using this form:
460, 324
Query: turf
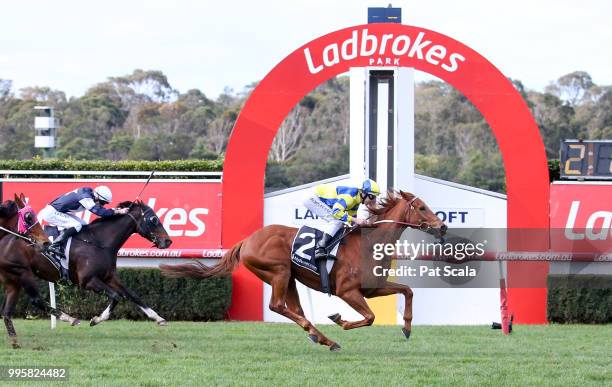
221, 353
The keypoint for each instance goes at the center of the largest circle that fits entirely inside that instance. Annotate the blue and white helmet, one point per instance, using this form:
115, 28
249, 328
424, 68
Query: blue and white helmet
103, 193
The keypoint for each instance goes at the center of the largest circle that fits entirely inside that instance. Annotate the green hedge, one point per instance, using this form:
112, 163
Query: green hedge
173, 299
585, 299
38, 164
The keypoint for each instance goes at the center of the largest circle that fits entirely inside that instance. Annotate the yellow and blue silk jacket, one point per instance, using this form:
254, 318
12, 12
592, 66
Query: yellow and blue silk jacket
344, 201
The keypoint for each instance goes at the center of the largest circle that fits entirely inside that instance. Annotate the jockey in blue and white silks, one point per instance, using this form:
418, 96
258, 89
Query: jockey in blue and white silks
61, 211
337, 205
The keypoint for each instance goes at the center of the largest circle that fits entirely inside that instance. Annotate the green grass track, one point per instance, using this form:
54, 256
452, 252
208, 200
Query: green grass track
234, 353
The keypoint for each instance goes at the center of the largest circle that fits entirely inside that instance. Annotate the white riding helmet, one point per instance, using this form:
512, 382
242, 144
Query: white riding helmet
103, 193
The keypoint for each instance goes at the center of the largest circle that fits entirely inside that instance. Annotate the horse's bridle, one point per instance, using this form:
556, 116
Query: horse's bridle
144, 229
421, 226
22, 225
22, 229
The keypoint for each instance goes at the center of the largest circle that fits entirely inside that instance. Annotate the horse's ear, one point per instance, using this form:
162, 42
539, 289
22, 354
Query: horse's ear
406, 195
19, 201
22, 197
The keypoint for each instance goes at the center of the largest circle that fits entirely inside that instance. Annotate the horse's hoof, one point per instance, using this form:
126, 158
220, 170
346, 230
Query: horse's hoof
15, 345
314, 339
93, 322
162, 323
334, 347
406, 333
75, 322
334, 317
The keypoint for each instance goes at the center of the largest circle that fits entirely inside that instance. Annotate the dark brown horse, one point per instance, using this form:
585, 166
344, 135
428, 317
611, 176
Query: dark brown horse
23, 237
267, 254
92, 264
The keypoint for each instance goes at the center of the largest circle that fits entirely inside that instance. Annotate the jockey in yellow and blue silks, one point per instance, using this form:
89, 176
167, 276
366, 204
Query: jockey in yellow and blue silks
337, 206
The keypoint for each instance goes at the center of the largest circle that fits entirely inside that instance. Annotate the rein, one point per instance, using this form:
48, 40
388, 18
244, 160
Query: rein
16, 234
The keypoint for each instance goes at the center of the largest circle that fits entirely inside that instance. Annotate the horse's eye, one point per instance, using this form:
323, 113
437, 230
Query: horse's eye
154, 220
28, 218
422, 208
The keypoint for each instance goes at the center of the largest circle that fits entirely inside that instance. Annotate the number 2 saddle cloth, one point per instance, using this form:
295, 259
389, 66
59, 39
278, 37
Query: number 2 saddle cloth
303, 248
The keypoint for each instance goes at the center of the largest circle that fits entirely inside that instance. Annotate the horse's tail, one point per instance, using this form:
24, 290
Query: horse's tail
197, 269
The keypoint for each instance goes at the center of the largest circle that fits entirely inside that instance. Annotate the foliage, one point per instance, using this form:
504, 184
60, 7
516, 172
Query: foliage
173, 299
141, 116
38, 164
585, 299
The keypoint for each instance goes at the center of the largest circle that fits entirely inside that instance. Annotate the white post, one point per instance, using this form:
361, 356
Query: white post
404, 129
382, 135
357, 123
52, 302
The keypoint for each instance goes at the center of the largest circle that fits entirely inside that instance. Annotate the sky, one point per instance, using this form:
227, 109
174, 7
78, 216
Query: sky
211, 45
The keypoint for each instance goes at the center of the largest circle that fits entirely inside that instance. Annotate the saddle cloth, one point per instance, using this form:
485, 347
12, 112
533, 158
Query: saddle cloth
303, 248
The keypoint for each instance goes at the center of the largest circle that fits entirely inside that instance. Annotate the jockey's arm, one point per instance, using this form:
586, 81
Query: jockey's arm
90, 205
342, 207
339, 211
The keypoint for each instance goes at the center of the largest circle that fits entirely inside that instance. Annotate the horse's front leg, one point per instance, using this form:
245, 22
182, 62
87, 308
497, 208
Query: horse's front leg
11, 295
130, 295
355, 299
99, 286
393, 288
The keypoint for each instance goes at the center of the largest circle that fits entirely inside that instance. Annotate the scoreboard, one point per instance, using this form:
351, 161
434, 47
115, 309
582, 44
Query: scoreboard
586, 159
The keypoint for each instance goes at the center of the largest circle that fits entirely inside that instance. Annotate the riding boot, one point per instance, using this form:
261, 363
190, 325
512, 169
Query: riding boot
321, 259
67, 233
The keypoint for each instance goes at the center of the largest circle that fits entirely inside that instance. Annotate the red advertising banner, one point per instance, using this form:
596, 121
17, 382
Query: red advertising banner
190, 211
581, 217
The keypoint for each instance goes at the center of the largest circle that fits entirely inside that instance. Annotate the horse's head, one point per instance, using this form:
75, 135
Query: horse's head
27, 222
148, 224
406, 209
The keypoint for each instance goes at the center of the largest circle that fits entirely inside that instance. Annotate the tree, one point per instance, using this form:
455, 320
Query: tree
55, 98
5, 88
574, 87
289, 135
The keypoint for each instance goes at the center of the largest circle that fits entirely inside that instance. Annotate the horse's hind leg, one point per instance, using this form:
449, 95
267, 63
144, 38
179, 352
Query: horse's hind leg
280, 286
29, 284
11, 295
293, 303
130, 295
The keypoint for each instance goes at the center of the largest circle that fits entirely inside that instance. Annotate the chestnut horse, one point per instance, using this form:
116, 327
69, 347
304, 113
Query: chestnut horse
267, 252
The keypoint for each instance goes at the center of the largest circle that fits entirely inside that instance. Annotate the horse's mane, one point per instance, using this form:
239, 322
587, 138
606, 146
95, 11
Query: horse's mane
125, 204
387, 203
8, 209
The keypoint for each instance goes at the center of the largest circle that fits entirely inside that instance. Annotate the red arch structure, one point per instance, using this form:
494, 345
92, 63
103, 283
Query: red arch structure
397, 45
